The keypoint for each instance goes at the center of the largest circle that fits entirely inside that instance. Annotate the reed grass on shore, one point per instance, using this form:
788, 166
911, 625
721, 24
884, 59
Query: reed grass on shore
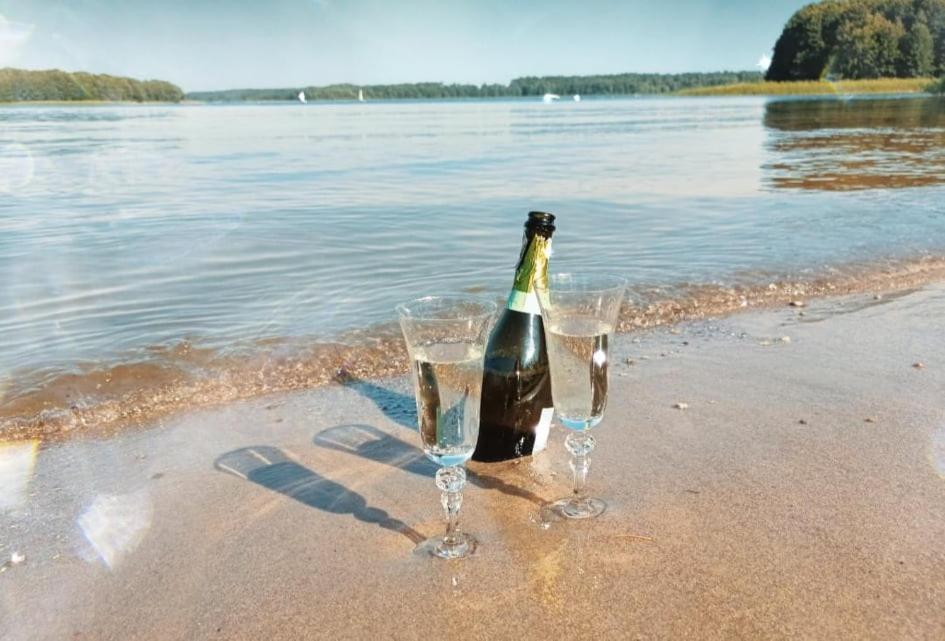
814, 87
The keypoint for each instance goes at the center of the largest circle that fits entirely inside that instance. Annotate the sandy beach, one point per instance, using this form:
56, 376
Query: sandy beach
799, 495
235, 238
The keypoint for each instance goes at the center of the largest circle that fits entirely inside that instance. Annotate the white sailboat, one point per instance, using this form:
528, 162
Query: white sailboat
550, 97
577, 97
302, 97
360, 95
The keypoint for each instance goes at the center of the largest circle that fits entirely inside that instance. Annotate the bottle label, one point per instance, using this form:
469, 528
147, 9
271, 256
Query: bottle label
531, 266
542, 429
526, 302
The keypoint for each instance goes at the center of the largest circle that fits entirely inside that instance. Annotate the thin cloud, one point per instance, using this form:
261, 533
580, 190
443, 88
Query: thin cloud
13, 37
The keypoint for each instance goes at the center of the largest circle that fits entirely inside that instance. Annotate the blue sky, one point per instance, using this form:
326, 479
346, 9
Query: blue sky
217, 44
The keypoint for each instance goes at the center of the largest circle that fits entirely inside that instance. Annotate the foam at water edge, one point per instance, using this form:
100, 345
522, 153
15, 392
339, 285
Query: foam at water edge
126, 394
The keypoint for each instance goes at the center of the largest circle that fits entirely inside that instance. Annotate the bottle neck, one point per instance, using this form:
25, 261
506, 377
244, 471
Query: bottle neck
532, 266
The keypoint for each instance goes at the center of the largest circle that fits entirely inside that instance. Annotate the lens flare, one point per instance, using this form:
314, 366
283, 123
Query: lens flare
114, 525
16, 167
17, 461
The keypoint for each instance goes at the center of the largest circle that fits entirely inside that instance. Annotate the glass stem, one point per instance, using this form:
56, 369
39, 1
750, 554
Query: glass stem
451, 481
580, 445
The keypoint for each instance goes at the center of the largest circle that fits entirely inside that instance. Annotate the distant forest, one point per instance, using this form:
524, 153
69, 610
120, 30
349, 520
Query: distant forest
18, 85
609, 85
853, 39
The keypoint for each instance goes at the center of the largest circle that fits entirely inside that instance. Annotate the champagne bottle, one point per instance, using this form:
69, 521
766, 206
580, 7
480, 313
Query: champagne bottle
516, 407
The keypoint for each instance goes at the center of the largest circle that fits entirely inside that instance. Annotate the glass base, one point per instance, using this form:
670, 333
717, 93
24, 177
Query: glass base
573, 508
458, 546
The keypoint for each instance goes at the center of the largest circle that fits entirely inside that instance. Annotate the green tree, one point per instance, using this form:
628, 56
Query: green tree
917, 52
862, 39
804, 48
867, 47
18, 85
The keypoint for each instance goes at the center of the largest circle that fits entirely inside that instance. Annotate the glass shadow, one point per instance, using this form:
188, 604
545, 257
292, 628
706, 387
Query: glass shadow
272, 469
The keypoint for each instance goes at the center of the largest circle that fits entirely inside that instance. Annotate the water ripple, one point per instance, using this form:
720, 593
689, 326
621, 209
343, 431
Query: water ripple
128, 228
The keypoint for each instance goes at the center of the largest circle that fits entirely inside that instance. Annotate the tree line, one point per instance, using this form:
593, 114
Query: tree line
853, 39
600, 85
18, 85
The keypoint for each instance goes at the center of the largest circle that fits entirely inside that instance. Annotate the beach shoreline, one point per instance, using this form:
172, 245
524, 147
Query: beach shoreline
103, 402
796, 495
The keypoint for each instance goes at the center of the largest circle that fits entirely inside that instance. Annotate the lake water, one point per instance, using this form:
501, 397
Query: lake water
128, 231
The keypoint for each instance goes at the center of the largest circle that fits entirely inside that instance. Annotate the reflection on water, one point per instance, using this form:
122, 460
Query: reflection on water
867, 143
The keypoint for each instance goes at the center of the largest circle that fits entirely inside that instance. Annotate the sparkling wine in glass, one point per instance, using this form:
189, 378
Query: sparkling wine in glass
446, 341
580, 313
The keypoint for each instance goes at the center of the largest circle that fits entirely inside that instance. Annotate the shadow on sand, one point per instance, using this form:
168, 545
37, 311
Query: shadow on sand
400, 408
271, 468
368, 442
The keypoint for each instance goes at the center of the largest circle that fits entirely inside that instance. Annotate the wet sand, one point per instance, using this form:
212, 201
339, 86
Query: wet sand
100, 401
801, 494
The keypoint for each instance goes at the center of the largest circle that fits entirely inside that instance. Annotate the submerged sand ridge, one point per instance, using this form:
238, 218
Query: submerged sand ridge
98, 401
799, 495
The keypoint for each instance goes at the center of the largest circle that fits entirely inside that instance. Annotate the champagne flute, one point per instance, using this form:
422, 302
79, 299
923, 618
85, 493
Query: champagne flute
580, 312
446, 337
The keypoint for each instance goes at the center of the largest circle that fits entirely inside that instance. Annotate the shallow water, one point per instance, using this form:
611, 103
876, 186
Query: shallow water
134, 233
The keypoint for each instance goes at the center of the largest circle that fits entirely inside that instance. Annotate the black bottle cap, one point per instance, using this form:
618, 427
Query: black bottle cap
541, 220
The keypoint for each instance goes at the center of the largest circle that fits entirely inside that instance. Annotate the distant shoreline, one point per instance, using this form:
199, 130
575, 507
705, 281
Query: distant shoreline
25, 85
94, 103
46, 88
762, 89
619, 84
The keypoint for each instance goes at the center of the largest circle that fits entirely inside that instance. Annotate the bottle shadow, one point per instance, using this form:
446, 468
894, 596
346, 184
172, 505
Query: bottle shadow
272, 469
368, 442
